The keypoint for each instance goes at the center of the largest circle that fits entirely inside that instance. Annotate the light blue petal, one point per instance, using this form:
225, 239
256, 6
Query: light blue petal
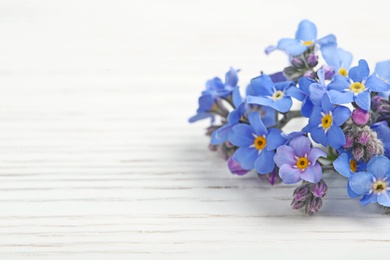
360, 72
235, 115
262, 85
282, 105
307, 107
339, 83
340, 115
382, 70
330, 55
289, 175
345, 57
257, 124
312, 173
317, 91
341, 165
326, 104
336, 137
241, 135
284, 155
246, 157
307, 31
200, 116
237, 99
361, 182
221, 134
379, 166
384, 199
301, 145
259, 100
351, 193
315, 153
369, 198
304, 83
264, 163
318, 135
268, 116
330, 38
337, 97
316, 116
292, 46
295, 93
274, 139
282, 86
270, 49
363, 100
231, 77
376, 84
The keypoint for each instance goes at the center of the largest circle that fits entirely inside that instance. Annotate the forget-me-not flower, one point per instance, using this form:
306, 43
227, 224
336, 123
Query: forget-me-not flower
340, 60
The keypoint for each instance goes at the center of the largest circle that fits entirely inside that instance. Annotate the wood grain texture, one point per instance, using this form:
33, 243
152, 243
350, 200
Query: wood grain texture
97, 160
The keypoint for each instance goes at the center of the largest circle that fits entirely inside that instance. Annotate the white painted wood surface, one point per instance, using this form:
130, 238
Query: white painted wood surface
97, 160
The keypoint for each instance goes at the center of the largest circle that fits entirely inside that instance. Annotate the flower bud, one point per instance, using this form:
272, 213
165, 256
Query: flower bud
363, 138
235, 167
329, 72
296, 204
349, 142
358, 153
310, 74
312, 60
315, 204
298, 63
302, 192
360, 116
319, 189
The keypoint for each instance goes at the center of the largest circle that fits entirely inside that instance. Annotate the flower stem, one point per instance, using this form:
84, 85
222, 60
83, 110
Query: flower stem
287, 117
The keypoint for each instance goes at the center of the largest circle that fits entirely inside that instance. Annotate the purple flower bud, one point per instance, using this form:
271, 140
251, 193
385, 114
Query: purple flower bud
360, 116
296, 204
310, 74
363, 138
315, 204
273, 177
302, 192
297, 63
213, 147
319, 189
329, 72
349, 142
384, 108
376, 102
312, 60
357, 153
235, 167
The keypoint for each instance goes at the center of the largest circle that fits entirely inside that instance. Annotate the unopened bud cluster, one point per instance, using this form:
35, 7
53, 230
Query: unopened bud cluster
309, 196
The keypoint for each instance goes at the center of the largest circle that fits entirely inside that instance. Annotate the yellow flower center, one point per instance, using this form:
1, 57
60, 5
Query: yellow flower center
302, 163
277, 95
307, 43
343, 72
260, 142
357, 87
379, 186
353, 165
326, 121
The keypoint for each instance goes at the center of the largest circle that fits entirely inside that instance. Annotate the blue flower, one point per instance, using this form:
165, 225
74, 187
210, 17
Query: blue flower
206, 107
298, 161
276, 95
256, 144
382, 71
374, 184
339, 59
305, 37
383, 132
216, 88
307, 105
325, 121
347, 166
357, 87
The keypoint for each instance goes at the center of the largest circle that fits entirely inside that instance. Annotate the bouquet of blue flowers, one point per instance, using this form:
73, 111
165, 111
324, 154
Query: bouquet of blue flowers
347, 111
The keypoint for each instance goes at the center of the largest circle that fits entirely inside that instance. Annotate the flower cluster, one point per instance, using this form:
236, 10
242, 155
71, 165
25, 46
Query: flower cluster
347, 113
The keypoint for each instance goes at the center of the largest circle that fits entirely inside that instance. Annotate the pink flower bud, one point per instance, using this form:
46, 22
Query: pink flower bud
360, 116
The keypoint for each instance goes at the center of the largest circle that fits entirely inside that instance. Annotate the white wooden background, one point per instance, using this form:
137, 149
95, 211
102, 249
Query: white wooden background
97, 160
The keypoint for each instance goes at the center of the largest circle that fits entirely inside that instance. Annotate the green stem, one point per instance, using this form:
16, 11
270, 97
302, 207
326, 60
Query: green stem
287, 117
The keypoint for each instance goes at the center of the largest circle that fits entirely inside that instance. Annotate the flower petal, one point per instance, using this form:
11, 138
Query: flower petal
379, 166
236, 96
292, 46
363, 100
307, 31
312, 173
274, 139
282, 105
259, 100
246, 157
360, 72
295, 93
301, 145
326, 104
241, 135
384, 199
318, 135
285, 155
289, 175
264, 163
262, 85
304, 83
376, 84
336, 136
361, 182
257, 123
369, 198
307, 107
231, 77
337, 97
340, 115
339, 83
317, 91
315, 153
341, 165
350, 192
